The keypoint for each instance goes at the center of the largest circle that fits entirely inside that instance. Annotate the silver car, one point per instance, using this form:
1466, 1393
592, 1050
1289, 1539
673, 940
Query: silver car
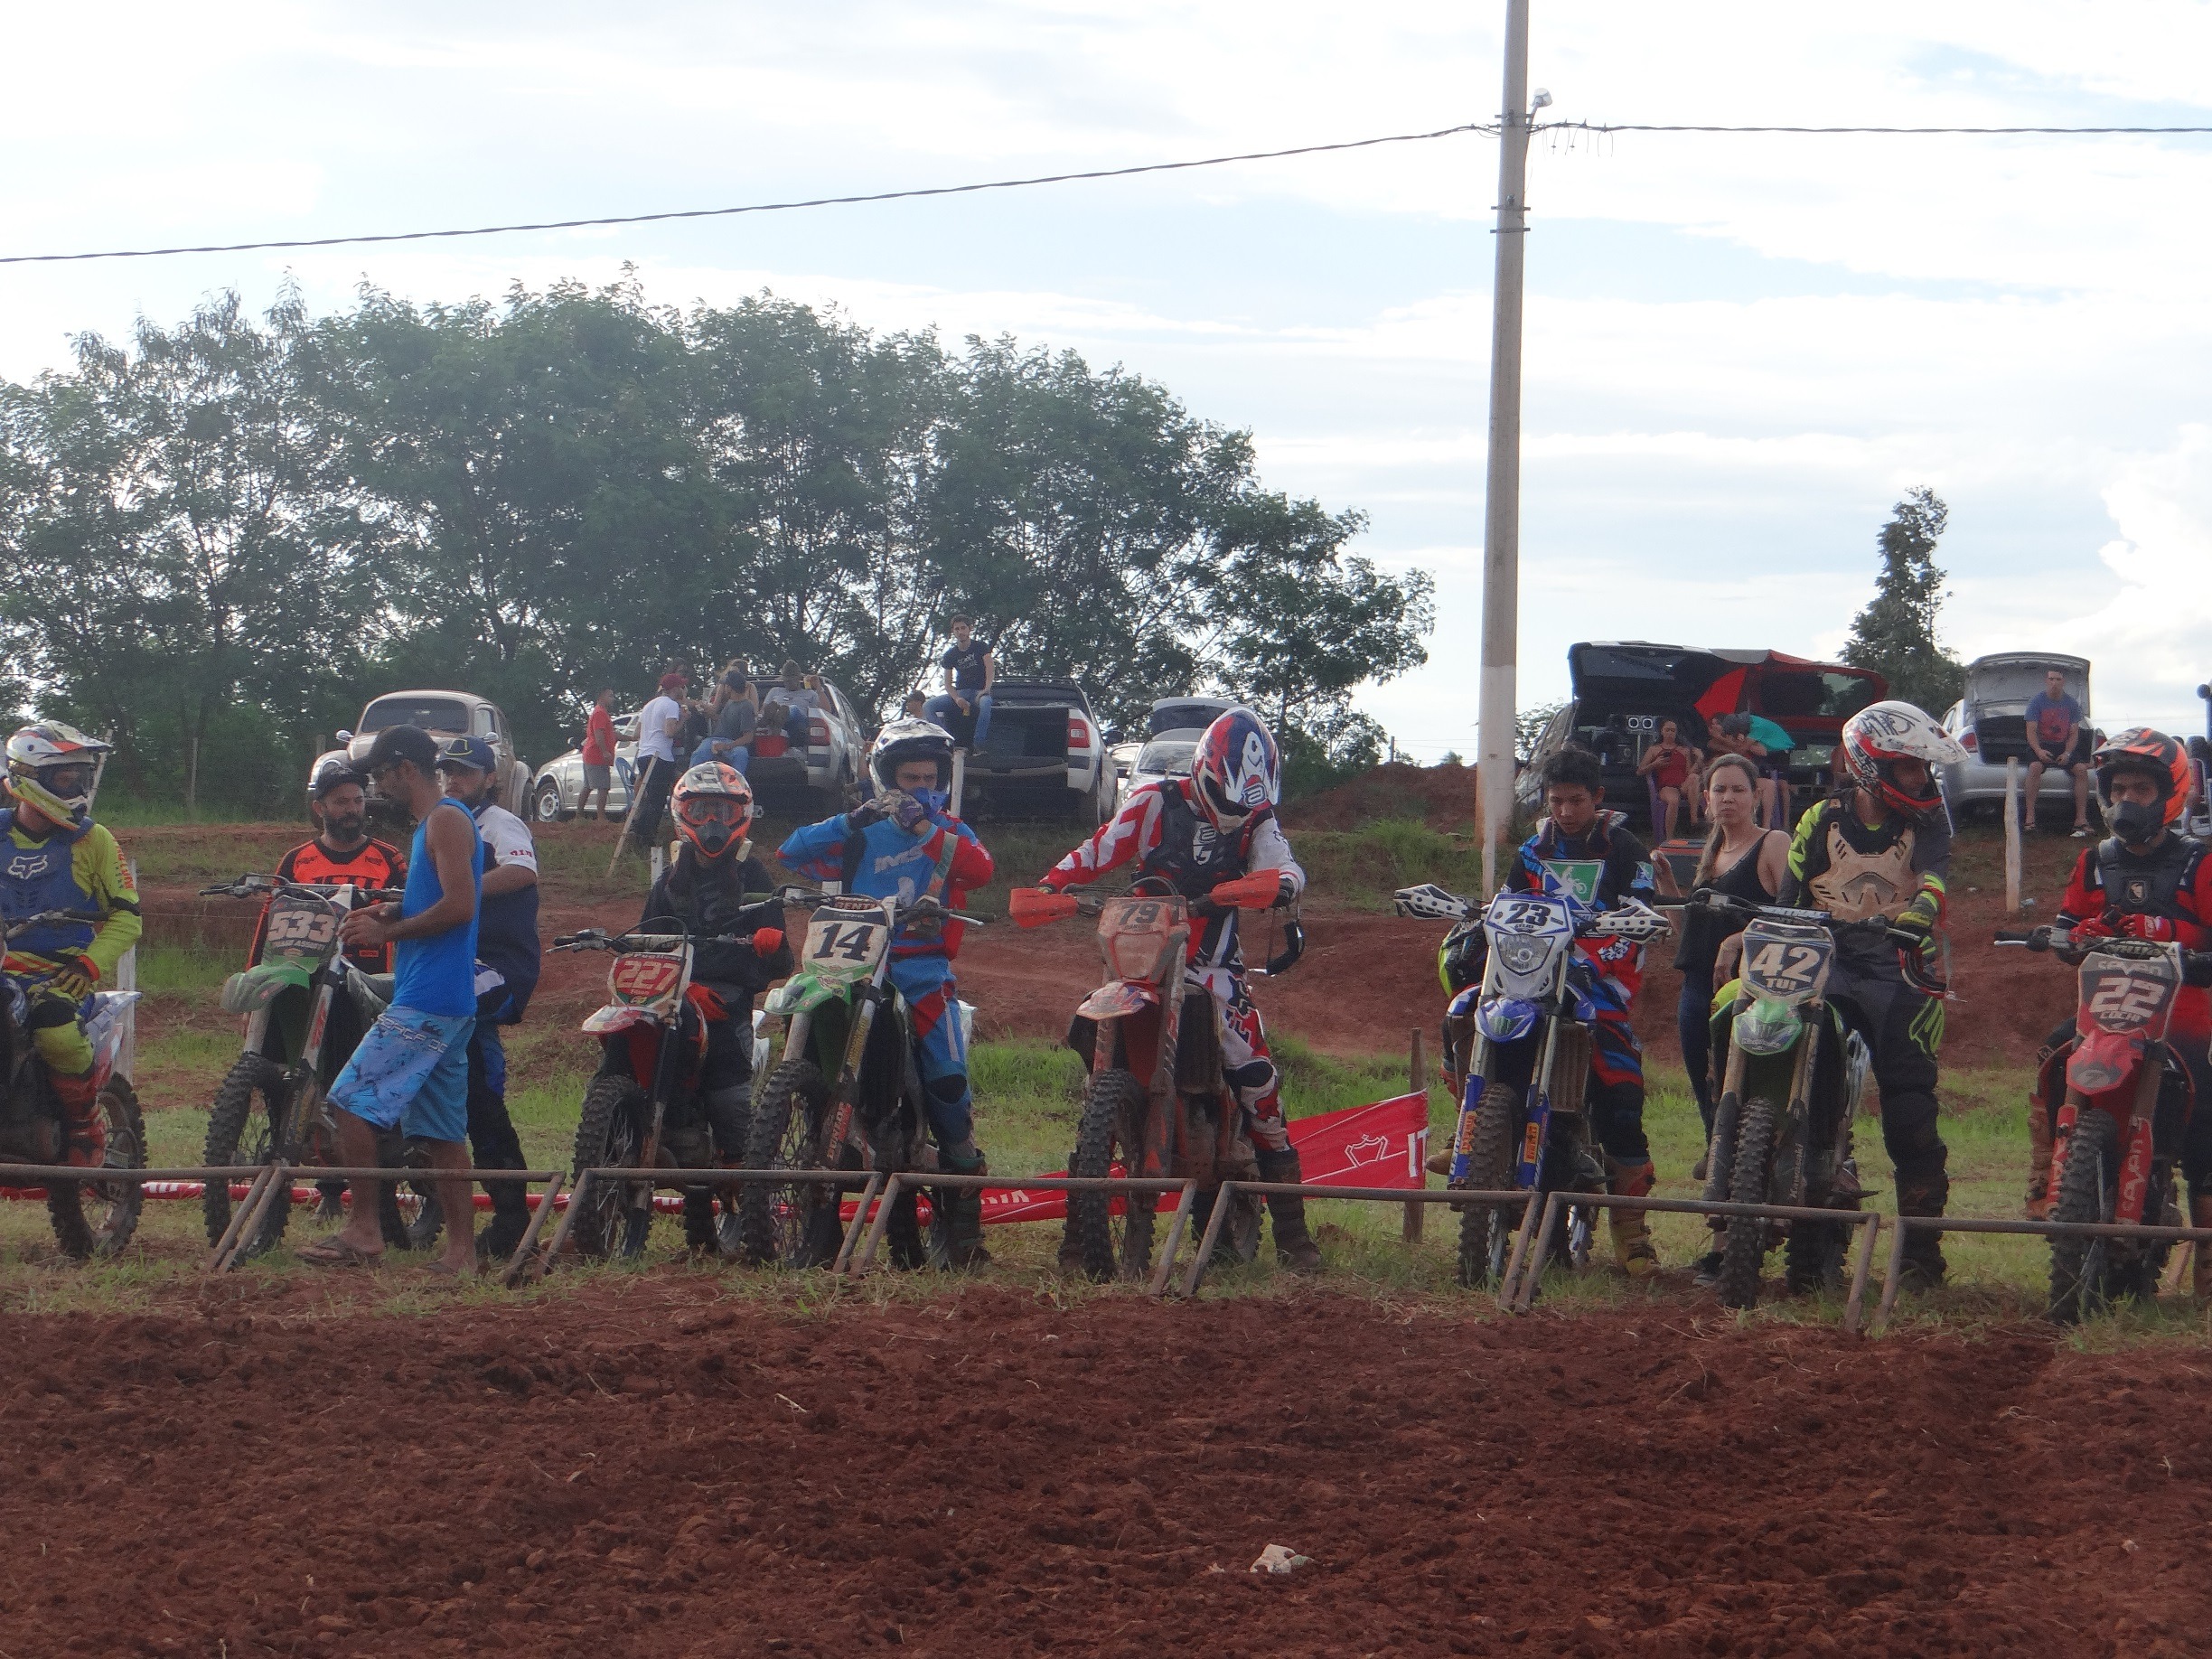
1167, 755
558, 787
1989, 723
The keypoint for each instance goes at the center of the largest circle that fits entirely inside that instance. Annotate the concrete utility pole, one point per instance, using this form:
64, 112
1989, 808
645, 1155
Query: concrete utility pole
1502, 518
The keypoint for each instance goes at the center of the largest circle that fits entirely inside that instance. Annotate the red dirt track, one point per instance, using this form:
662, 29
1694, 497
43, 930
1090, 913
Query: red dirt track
645, 1470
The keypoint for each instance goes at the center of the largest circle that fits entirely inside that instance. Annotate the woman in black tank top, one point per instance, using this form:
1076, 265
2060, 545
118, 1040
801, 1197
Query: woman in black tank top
1745, 862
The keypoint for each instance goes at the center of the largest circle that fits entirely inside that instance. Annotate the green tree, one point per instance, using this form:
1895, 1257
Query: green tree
1895, 634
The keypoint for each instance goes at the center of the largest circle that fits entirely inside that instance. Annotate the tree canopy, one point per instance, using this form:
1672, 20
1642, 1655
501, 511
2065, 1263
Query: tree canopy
1895, 634
224, 537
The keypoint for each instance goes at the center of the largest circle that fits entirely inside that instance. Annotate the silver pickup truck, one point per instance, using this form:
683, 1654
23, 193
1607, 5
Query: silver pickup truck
1048, 752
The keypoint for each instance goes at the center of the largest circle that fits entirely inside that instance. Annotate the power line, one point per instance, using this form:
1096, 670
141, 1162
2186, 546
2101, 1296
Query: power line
1916, 131
756, 207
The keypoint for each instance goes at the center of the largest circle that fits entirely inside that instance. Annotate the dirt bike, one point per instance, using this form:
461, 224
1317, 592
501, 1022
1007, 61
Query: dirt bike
33, 1129
1792, 1076
846, 1093
1520, 1043
1155, 1103
274, 1102
2117, 1139
644, 1109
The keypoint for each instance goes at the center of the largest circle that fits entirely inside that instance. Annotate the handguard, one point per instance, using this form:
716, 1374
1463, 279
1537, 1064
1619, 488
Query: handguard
1261, 890
1037, 906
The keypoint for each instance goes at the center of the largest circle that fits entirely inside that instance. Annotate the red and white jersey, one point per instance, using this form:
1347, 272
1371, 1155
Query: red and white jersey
1163, 834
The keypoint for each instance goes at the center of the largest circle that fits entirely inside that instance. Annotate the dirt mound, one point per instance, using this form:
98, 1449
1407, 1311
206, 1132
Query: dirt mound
1442, 796
646, 1471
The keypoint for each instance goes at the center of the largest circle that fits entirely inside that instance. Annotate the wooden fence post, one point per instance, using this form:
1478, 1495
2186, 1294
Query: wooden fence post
2012, 834
1416, 1214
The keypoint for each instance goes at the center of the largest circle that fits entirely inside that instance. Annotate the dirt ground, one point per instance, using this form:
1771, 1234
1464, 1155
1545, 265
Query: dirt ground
645, 1470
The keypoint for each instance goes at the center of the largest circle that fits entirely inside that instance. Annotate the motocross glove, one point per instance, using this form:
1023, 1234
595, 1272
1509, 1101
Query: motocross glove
1920, 916
767, 941
75, 978
872, 810
907, 812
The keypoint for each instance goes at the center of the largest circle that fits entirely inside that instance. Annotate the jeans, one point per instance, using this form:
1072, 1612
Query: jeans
1694, 1026
943, 710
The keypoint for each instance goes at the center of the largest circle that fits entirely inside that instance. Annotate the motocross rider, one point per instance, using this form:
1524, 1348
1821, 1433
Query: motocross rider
1876, 853
902, 842
58, 858
1584, 849
1213, 836
717, 887
2146, 880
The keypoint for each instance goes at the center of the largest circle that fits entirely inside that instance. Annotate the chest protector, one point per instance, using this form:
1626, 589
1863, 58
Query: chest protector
2147, 884
1193, 855
1860, 886
43, 876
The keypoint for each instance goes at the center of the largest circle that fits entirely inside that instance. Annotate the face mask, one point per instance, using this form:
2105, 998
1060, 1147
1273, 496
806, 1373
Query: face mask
2136, 821
933, 799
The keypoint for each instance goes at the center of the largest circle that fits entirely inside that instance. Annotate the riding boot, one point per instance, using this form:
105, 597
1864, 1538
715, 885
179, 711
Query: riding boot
1924, 1259
1294, 1246
2200, 1259
84, 1141
2038, 1205
1631, 1240
962, 1209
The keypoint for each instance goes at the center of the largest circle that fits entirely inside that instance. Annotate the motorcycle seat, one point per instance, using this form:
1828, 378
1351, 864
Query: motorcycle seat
371, 992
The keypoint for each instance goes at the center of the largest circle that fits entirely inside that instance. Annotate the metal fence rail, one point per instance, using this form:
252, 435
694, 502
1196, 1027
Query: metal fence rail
869, 1183
1411, 1196
1906, 1225
1521, 1297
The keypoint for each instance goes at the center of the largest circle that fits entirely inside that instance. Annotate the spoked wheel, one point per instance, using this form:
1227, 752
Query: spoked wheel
1743, 1254
791, 1225
2086, 1193
97, 1218
1097, 1243
1486, 1232
610, 1220
243, 1127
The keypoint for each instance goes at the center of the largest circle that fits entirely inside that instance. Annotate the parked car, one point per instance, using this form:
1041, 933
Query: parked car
1621, 689
1048, 752
441, 714
1990, 724
1167, 755
559, 788
1186, 714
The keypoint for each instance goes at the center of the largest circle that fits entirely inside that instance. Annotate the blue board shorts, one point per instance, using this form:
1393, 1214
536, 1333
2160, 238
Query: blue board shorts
410, 1071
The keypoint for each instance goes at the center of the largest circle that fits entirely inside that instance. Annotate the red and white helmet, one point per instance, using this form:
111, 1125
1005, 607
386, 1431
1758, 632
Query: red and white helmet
50, 767
713, 806
1236, 771
1879, 736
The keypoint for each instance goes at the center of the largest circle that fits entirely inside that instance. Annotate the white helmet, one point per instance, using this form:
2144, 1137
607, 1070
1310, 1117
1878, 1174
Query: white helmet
1879, 736
913, 740
50, 767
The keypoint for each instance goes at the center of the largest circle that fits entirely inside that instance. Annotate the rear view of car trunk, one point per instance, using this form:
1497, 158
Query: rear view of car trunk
1998, 689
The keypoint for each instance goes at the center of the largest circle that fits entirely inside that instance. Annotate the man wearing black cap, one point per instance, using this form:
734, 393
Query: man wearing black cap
507, 963
410, 1071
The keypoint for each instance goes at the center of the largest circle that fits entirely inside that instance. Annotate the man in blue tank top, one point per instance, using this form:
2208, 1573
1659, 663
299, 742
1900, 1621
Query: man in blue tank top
411, 1071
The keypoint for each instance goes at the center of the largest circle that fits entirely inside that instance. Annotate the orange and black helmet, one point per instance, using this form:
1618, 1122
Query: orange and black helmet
2153, 754
713, 808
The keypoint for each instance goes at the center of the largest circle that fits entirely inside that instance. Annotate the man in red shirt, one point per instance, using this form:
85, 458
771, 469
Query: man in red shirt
599, 755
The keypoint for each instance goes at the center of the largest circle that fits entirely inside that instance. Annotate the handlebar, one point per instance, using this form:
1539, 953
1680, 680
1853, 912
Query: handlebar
2196, 965
599, 939
255, 886
23, 925
922, 907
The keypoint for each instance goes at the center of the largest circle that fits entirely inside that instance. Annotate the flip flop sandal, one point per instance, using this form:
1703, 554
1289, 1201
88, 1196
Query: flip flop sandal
442, 1269
338, 1252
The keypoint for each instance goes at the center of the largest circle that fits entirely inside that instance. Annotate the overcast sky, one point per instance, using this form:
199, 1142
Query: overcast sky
1740, 349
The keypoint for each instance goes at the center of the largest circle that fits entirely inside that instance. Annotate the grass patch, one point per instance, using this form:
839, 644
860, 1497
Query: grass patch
1362, 868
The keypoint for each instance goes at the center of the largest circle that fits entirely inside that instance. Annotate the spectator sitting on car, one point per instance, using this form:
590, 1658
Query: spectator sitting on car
599, 755
733, 681
971, 672
2056, 736
1673, 769
768, 739
792, 693
729, 739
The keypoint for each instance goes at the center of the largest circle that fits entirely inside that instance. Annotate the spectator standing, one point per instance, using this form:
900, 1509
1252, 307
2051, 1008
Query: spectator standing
508, 956
2057, 736
658, 727
411, 1069
971, 672
599, 755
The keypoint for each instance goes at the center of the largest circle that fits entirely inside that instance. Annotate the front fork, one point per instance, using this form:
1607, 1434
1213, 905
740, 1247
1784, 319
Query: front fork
1528, 1158
844, 1092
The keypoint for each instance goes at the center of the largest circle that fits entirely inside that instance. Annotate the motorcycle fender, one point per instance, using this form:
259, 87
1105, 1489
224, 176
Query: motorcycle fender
1529, 1164
2103, 1060
251, 991
799, 994
1118, 998
619, 1016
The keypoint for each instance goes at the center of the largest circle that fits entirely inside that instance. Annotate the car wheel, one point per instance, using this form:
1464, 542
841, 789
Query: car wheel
545, 804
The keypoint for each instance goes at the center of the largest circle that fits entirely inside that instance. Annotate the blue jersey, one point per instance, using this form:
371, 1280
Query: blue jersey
882, 860
438, 975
